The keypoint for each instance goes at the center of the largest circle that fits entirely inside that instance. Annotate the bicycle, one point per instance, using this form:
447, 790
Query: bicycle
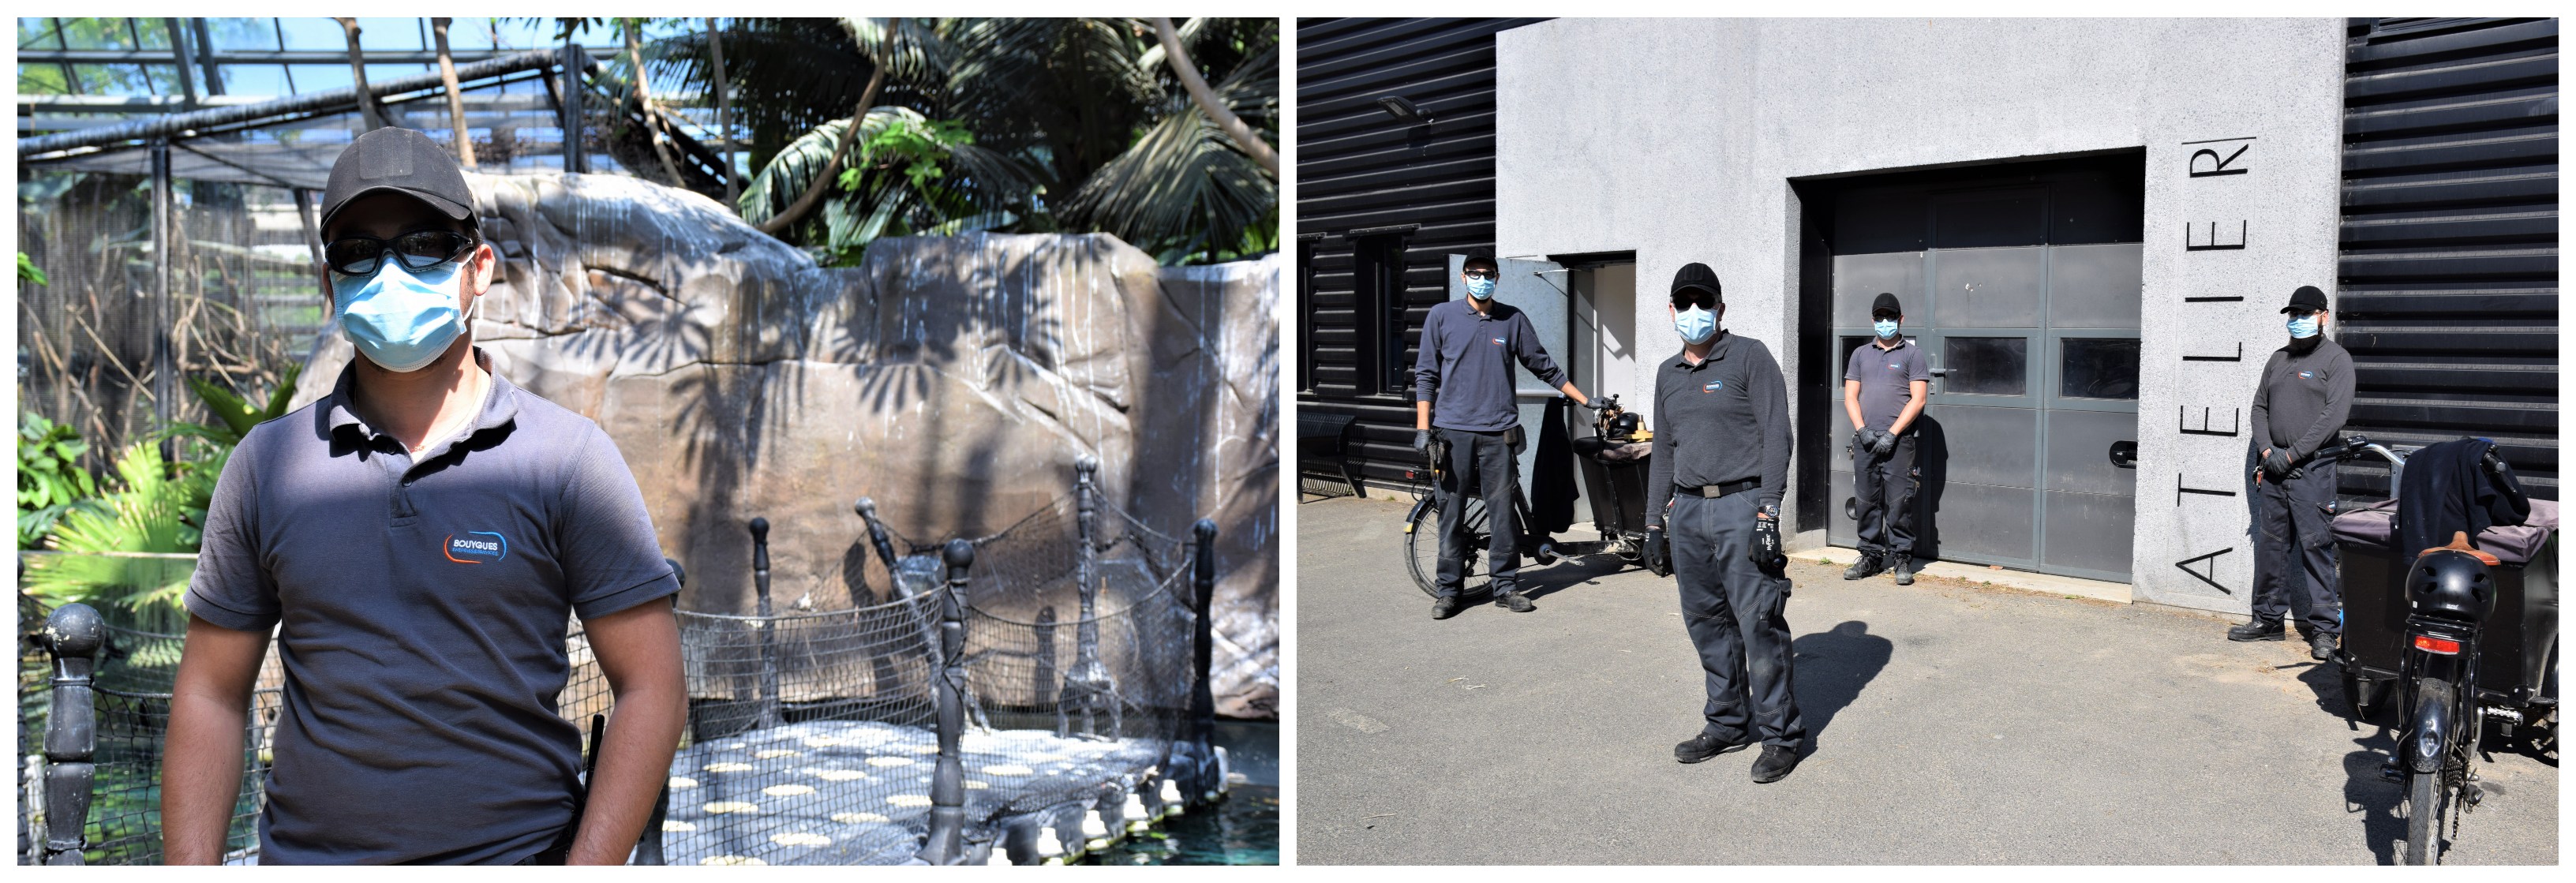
1422, 532
1618, 511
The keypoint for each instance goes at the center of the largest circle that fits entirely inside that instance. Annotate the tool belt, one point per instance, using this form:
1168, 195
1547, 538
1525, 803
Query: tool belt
1721, 489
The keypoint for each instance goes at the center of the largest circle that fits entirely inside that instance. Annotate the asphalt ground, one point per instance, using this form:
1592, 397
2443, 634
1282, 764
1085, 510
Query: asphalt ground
1950, 723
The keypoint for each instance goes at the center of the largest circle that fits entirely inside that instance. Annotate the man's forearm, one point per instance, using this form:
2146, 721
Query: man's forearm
1421, 415
1913, 409
201, 778
1570, 392
634, 763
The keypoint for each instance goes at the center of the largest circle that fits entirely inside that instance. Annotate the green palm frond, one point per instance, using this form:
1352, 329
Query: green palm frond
1184, 187
99, 564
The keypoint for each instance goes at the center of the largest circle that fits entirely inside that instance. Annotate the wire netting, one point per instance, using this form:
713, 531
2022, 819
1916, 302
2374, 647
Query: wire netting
813, 736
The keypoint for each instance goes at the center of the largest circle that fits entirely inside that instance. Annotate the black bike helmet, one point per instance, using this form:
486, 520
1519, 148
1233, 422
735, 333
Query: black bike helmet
2452, 583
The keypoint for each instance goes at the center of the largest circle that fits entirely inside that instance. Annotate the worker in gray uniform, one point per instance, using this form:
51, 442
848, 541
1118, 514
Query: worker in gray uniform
1884, 385
2299, 407
1720, 462
1463, 390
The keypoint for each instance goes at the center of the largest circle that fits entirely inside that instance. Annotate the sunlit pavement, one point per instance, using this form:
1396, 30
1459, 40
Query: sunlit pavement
1951, 723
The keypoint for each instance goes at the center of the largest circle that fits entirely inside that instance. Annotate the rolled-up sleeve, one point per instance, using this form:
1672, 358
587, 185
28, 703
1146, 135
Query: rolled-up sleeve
232, 587
604, 537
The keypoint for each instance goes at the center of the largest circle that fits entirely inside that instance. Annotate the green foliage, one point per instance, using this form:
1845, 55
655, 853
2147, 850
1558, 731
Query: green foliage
28, 272
146, 514
235, 410
51, 481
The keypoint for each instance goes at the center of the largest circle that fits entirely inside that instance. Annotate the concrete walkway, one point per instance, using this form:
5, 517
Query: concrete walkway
1951, 724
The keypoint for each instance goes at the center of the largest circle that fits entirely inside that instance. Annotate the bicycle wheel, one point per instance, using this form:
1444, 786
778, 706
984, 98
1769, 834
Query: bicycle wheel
2427, 797
1422, 549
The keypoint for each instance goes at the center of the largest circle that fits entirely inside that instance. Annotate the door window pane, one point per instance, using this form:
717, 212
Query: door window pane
1994, 366
2098, 368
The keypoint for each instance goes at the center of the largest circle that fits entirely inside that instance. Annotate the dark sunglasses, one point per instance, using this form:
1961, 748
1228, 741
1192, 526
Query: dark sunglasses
1483, 274
416, 251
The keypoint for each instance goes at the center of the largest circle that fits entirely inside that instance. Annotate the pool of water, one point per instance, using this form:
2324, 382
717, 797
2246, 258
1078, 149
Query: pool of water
1243, 829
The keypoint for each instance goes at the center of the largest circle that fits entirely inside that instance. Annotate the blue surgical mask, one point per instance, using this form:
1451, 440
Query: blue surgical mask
1696, 324
1480, 289
1886, 328
400, 320
2303, 327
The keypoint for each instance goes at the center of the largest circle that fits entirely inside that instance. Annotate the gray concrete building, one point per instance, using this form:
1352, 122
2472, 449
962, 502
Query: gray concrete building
2093, 224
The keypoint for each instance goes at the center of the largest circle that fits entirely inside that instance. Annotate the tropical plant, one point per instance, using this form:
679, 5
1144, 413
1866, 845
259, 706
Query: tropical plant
1078, 125
51, 481
28, 272
146, 514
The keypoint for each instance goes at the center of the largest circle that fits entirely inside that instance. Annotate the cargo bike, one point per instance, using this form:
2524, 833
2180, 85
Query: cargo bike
1612, 462
2452, 639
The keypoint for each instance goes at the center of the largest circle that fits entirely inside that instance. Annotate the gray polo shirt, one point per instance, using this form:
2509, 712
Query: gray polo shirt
1464, 368
421, 609
1723, 420
1886, 377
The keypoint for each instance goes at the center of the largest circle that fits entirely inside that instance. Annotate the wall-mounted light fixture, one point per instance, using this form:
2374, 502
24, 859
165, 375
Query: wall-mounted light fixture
1403, 110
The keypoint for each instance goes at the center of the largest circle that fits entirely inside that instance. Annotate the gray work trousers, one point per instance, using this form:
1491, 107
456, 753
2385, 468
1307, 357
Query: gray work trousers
1736, 616
1884, 488
2294, 550
1479, 461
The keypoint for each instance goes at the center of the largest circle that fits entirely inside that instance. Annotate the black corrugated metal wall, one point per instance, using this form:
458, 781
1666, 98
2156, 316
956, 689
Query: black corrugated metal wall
1380, 202
2449, 267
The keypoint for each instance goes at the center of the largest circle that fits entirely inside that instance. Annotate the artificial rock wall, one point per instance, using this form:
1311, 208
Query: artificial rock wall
955, 380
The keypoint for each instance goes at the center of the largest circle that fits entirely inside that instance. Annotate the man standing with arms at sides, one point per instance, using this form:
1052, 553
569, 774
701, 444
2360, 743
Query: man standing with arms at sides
2299, 407
1721, 461
1884, 385
419, 539
1462, 389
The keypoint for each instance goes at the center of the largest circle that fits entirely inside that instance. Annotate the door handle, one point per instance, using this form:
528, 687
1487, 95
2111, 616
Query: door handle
2124, 454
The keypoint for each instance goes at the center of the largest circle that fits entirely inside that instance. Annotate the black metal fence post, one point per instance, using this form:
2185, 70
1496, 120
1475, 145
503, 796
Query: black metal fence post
73, 636
768, 649
946, 843
1202, 691
1042, 687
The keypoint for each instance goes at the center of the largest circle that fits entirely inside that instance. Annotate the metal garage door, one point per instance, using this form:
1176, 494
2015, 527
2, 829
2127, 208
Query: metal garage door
2030, 436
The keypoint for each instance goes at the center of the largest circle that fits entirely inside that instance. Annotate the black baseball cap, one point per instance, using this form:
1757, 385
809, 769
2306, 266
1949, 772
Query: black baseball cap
402, 161
1886, 303
2306, 299
1483, 256
1699, 276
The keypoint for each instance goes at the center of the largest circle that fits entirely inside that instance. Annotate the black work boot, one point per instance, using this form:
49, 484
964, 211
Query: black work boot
2321, 646
1705, 746
1444, 607
1905, 570
1774, 764
2257, 630
1514, 602
1868, 566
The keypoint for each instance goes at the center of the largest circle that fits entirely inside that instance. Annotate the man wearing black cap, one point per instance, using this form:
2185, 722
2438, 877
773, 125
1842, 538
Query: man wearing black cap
1462, 388
1884, 385
418, 540
1721, 460
2299, 407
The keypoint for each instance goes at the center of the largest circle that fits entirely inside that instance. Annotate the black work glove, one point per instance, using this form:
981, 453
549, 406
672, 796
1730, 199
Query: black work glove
1884, 444
1860, 441
2276, 465
1422, 442
1595, 403
1658, 552
1766, 552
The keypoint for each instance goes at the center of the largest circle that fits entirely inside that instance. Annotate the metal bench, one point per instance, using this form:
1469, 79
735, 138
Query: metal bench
1325, 437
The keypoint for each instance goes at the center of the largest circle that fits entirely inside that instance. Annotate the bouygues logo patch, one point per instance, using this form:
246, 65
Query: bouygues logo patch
476, 547
1498, 341
1713, 386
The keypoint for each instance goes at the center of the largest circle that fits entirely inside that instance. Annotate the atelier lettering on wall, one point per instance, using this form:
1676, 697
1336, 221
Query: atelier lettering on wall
2212, 158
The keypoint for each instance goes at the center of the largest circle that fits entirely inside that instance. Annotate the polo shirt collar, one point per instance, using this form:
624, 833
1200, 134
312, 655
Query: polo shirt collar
1716, 353
500, 401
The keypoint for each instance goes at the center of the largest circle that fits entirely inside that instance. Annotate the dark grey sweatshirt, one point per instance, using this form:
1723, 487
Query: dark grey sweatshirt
1465, 367
2303, 398
1724, 419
